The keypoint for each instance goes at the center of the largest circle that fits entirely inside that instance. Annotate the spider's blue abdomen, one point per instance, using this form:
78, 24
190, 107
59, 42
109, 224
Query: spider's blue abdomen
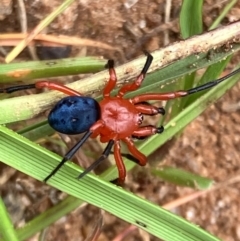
74, 114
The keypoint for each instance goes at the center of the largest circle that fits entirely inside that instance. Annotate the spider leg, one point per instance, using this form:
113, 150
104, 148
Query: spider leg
128, 156
40, 85
142, 160
149, 109
112, 80
158, 96
12, 89
120, 165
181, 93
136, 84
74, 149
55, 86
146, 131
104, 155
211, 83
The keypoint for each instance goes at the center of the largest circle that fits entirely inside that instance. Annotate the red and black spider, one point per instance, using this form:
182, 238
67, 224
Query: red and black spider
114, 118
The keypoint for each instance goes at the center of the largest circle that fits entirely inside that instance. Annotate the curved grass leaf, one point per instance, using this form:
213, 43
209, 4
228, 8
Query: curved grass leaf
191, 18
223, 14
30, 70
182, 178
6, 226
37, 162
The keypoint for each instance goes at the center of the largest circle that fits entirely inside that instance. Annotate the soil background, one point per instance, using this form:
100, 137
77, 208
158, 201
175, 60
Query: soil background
209, 146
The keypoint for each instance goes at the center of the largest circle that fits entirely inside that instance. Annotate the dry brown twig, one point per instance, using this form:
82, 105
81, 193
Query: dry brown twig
12, 39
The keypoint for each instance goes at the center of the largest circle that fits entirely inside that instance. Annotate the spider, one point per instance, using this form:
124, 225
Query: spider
114, 118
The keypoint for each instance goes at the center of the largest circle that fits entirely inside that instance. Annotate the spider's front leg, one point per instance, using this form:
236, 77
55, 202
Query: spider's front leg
112, 79
40, 85
137, 83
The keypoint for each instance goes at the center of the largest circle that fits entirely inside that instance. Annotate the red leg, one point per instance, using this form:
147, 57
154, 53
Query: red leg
41, 85
149, 109
160, 96
148, 131
131, 87
139, 80
112, 80
181, 93
55, 86
97, 128
119, 163
135, 152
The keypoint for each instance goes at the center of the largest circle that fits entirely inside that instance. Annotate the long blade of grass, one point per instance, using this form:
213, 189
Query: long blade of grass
6, 226
182, 178
191, 18
223, 14
38, 162
190, 24
44, 69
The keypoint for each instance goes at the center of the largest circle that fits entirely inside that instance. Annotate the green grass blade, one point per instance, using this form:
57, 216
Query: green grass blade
182, 178
191, 18
37, 131
161, 79
51, 68
190, 24
6, 227
222, 15
36, 161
